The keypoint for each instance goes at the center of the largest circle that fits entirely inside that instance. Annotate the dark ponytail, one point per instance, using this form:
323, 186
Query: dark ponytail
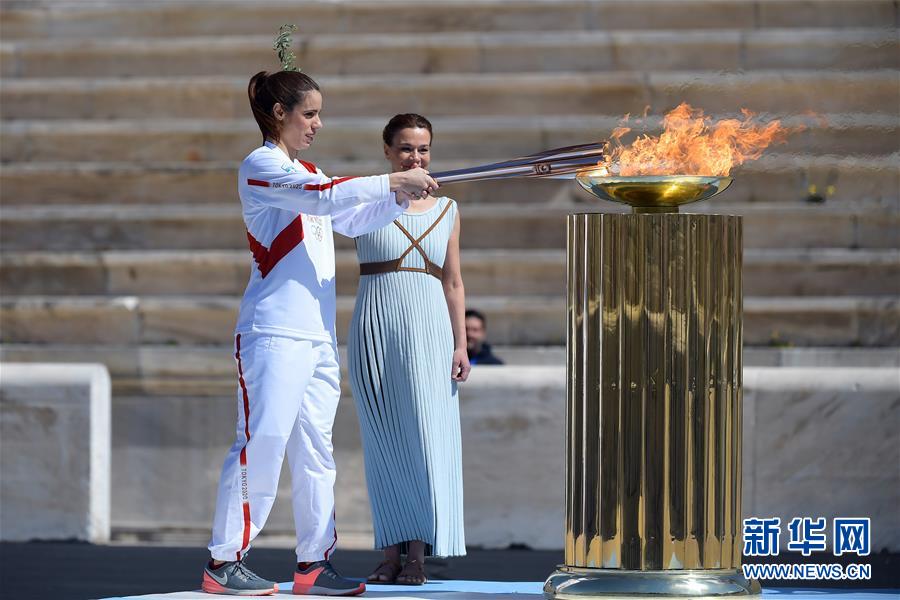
405, 121
265, 90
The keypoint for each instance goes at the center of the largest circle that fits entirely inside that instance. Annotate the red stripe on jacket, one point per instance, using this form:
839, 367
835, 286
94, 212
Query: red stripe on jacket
308, 166
286, 240
319, 187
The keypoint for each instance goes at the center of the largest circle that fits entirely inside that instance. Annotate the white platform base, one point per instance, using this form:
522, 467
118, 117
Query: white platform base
493, 590
434, 590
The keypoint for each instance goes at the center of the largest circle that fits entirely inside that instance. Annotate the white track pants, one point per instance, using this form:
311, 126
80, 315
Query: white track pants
287, 398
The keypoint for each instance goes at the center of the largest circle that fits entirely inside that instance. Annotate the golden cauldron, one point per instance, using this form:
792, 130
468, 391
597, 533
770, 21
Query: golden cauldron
652, 193
653, 416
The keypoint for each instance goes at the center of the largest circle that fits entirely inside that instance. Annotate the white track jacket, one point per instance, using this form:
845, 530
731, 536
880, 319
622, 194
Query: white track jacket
290, 209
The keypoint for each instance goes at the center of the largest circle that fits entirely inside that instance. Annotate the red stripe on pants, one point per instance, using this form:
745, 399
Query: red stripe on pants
334, 543
245, 494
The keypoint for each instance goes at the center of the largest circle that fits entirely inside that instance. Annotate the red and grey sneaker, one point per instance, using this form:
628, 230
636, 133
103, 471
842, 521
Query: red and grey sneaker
235, 579
320, 578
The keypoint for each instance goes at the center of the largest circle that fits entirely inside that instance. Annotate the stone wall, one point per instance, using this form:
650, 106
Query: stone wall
818, 442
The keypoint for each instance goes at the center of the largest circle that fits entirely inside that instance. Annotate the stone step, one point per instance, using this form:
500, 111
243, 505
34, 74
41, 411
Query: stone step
134, 320
361, 54
767, 272
615, 92
92, 20
776, 177
210, 370
347, 139
494, 227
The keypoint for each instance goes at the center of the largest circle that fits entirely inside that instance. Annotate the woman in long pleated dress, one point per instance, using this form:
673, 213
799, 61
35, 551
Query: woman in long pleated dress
407, 351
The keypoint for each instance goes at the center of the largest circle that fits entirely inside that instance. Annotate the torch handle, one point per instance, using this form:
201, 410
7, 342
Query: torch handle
557, 163
479, 174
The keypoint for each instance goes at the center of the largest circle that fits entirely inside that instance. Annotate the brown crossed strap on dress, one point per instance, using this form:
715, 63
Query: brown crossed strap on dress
391, 266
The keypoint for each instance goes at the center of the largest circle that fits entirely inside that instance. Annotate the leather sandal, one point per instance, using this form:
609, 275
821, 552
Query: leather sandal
386, 573
413, 573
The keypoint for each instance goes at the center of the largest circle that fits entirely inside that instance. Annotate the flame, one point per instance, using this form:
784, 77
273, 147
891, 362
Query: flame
691, 144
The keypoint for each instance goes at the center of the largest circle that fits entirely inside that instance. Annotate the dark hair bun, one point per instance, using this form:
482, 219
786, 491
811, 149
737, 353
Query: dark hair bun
404, 121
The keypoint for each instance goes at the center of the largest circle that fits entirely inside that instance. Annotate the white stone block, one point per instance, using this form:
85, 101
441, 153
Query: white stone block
54, 452
514, 460
824, 443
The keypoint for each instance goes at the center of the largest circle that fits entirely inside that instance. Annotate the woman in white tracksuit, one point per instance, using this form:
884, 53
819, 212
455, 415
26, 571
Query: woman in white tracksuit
285, 344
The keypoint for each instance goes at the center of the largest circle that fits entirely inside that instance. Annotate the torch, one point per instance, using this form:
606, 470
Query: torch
559, 163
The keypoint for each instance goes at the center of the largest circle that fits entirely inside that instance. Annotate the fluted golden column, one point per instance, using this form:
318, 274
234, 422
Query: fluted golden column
654, 406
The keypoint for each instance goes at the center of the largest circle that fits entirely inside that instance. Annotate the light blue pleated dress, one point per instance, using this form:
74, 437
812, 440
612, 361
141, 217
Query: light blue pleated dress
400, 357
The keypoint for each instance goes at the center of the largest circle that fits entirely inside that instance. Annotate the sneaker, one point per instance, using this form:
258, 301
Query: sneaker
235, 579
321, 579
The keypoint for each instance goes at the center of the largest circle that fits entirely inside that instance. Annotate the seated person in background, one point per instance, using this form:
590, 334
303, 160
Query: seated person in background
476, 332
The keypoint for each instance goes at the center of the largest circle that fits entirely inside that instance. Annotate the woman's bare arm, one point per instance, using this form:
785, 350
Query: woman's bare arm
455, 294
